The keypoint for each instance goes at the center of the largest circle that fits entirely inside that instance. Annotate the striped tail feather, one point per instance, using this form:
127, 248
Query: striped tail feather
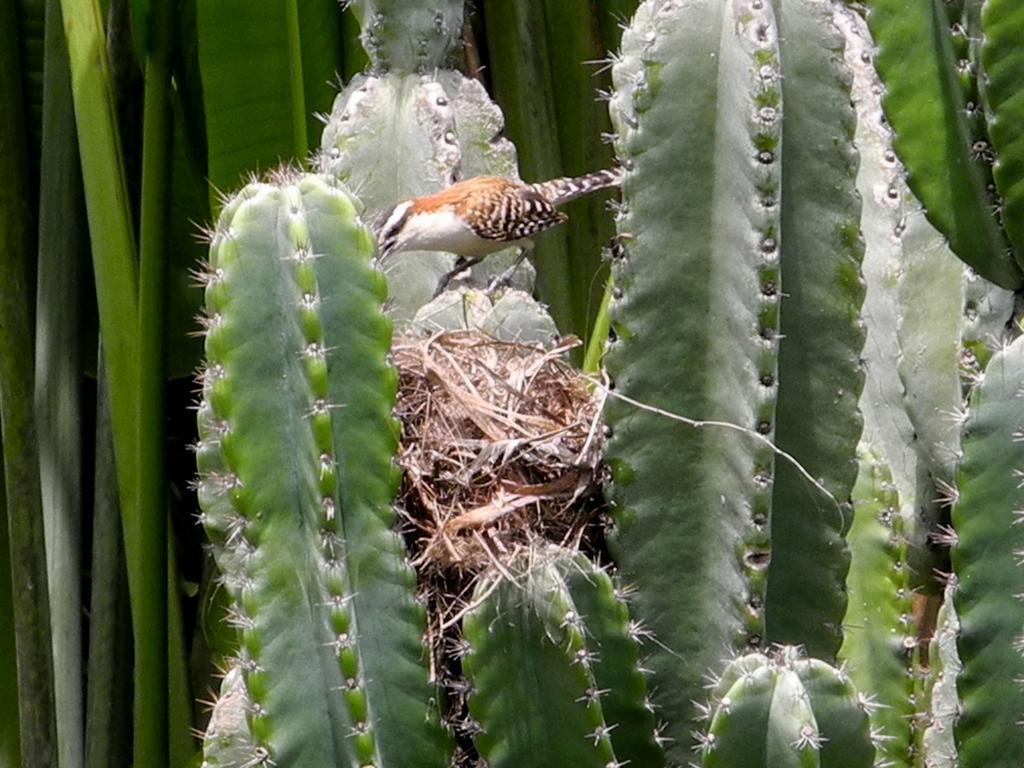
558, 191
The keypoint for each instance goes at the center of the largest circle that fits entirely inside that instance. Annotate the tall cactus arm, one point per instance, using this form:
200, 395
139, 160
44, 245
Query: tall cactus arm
943, 701
820, 371
269, 562
987, 560
697, 110
365, 437
880, 183
1003, 60
926, 106
296, 482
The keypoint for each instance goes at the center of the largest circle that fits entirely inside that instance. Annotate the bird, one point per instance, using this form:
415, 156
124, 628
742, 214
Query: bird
481, 215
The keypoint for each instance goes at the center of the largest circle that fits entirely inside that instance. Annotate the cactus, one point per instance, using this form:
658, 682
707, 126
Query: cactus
879, 642
513, 316
736, 451
817, 420
416, 36
936, 110
786, 710
407, 129
329, 634
944, 704
1002, 92
583, 701
987, 562
777, 188
675, 506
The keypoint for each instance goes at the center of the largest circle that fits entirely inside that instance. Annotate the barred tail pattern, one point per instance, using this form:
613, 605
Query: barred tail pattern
558, 191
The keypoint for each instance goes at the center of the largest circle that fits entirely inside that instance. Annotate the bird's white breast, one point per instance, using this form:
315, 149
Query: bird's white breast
443, 230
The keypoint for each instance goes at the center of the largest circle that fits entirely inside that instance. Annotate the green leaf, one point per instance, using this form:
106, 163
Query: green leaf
26, 538
63, 268
10, 726
256, 58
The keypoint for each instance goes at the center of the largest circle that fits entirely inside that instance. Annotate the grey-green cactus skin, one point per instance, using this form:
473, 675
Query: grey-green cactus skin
227, 740
785, 710
768, 170
409, 35
396, 136
695, 313
512, 316
296, 480
552, 661
987, 561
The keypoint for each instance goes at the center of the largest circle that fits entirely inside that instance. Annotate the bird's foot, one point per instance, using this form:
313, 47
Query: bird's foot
461, 265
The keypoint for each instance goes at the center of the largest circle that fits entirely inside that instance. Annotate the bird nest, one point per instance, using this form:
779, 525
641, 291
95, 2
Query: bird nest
500, 450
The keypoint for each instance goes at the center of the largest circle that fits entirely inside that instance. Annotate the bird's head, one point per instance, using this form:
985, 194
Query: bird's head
390, 228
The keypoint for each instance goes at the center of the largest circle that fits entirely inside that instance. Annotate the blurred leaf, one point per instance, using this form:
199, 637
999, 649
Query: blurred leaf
10, 733
63, 260
26, 540
253, 57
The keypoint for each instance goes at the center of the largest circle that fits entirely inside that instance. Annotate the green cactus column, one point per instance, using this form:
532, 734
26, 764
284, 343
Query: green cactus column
820, 369
552, 660
987, 559
698, 116
878, 648
296, 481
784, 711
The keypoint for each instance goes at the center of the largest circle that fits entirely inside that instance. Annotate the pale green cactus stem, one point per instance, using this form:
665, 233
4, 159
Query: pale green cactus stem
938, 740
879, 644
296, 480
